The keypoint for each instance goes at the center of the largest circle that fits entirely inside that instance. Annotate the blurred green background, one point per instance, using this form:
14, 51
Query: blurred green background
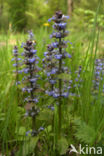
22, 15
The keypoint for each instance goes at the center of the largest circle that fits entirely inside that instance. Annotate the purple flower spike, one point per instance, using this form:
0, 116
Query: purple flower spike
30, 79
16, 64
54, 64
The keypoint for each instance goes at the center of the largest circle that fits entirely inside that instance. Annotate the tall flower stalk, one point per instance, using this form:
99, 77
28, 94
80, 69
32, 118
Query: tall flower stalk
16, 63
30, 79
54, 63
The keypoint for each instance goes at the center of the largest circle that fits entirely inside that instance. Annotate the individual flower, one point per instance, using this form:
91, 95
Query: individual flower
46, 24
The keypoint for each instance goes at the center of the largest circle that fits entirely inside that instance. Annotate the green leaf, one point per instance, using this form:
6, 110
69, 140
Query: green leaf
30, 14
28, 147
45, 115
84, 132
22, 131
48, 129
62, 146
89, 12
64, 76
2, 118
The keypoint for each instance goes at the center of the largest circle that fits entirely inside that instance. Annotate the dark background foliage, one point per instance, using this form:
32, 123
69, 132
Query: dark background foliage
21, 15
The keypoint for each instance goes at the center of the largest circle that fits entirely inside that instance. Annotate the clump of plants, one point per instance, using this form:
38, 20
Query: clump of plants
54, 68
49, 102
